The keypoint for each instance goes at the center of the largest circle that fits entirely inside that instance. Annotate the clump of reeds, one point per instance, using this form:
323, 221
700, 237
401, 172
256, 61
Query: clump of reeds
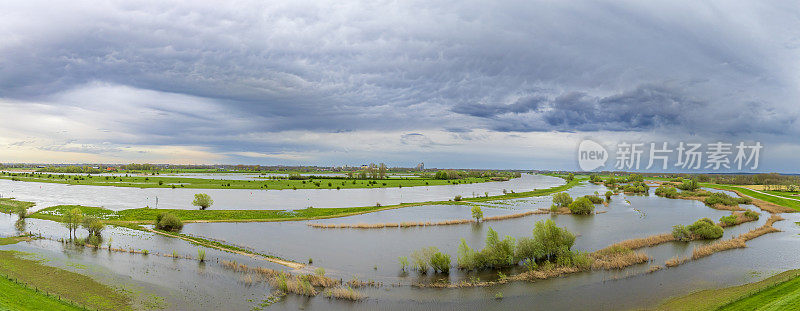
346, 292
708, 249
766, 228
654, 268
652, 240
247, 280
235, 266
619, 260
201, 255
675, 261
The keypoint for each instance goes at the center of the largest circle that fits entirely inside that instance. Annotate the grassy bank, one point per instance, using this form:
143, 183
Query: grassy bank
261, 184
771, 199
15, 296
39, 278
8, 205
779, 292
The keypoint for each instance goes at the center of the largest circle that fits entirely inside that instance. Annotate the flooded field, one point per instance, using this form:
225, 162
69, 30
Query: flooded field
117, 198
372, 255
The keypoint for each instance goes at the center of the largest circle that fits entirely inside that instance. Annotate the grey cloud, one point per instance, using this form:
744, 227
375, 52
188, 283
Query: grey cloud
216, 70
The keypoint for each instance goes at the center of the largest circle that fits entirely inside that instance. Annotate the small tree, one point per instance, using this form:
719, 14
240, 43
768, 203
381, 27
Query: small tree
202, 200
72, 220
21, 210
93, 225
477, 213
570, 177
608, 196
561, 199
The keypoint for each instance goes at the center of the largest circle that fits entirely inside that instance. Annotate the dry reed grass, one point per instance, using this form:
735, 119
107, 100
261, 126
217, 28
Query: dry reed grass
708, 249
654, 268
675, 261
638, 243
620, 260
737, 242
346, 293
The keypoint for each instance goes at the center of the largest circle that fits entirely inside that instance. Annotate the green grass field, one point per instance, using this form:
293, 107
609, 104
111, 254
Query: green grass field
14, 296
780, 201
778, 292
261, 184
27, 284
780, 296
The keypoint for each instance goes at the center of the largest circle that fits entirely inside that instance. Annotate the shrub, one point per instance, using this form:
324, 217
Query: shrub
724, 199
168, 222
403, 260
608, 196
420, 259
681, 233
95, 240
529, 249
667, 191
594, 199
751, 214
93, 225
636, 187
689, 185
440, 262
705, 229
468, 258
202, 200
498, 253
21, 210
457, 198
581, 206
595, 178
477, 213
562, 199
551, 238
729, 220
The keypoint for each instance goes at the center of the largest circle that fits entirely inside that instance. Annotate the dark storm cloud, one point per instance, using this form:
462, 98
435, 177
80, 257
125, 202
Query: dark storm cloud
645, 108
231, 72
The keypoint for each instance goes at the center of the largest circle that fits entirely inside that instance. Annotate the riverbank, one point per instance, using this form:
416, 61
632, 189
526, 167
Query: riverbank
49, 288
137, 181
778, 292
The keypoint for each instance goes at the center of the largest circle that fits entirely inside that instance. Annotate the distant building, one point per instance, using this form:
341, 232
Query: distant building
421, 166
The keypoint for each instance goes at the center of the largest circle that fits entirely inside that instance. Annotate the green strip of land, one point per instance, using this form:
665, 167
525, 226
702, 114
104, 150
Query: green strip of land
779, 292
148, 215
28, 284
261, 184
780, 201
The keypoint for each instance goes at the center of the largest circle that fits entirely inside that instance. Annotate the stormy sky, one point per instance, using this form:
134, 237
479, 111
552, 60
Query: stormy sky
484, 84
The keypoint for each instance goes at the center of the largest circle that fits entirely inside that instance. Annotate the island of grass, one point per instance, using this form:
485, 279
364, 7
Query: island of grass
271, 183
